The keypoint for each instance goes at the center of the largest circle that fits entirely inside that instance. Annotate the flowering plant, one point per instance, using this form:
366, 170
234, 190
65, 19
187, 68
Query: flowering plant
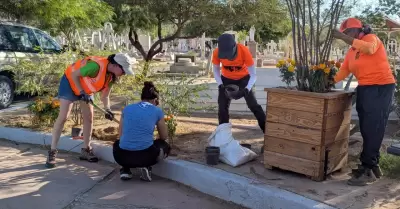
322, 76
44, 110
287, 69
171, 124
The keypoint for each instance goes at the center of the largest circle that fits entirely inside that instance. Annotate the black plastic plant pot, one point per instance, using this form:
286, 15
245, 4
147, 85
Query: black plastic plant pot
212, 155
76, 132
246, 145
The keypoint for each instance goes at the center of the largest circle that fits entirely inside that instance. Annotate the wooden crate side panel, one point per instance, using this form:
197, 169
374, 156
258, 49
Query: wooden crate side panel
336, 134
337, 119
339, 104
294, 133
337, 162
293, 102
295, 117
293, 148
294, 164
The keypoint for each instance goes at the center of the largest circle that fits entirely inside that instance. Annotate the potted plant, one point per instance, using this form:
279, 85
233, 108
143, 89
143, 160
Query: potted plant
308, 126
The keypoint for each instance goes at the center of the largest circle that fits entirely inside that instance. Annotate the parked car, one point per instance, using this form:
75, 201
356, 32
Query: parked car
20, 41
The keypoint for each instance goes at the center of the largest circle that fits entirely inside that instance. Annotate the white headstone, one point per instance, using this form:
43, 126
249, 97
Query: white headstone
251, 33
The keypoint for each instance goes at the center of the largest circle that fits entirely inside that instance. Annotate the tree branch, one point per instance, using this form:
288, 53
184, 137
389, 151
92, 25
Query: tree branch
135, 41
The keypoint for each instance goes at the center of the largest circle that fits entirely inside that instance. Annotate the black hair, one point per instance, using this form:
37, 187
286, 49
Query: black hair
111, 59
149, 91
366, 29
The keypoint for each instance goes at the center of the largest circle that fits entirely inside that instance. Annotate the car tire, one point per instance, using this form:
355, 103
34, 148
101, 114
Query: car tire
6, 91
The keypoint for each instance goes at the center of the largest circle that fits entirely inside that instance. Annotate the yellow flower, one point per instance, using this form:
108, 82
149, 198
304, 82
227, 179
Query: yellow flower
282, 62
327, 70
289, 60
293, 63
322, 66
278, 65
291, 68
315, 67
55, 104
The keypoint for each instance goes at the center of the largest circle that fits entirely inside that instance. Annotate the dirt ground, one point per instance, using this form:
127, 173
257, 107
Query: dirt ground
191, 140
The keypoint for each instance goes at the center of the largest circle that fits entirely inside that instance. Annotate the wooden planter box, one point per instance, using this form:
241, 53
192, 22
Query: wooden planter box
307, 132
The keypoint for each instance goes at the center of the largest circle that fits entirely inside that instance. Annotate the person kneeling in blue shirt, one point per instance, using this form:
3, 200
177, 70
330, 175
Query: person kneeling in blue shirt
137, 147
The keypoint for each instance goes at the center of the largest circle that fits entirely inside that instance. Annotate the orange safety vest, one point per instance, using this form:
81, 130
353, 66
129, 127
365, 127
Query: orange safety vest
237, 68
89, 85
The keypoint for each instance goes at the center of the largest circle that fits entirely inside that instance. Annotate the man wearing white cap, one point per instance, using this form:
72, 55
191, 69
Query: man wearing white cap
81, 81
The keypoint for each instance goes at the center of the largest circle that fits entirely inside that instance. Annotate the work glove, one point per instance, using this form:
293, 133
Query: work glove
221, 87
243, 93
109, 115
85, 97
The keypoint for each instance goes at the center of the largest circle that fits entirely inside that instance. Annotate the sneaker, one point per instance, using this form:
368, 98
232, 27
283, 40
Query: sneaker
51, 159
125, 174
145, 174
363, 178
376, 170
87, 154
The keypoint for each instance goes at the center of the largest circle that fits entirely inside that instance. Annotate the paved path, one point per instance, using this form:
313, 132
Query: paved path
74, 184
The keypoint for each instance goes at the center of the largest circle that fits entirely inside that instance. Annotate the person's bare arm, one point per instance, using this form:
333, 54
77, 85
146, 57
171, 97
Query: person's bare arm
105, 97
162, 129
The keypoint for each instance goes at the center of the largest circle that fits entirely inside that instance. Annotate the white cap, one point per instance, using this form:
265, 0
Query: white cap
126, 62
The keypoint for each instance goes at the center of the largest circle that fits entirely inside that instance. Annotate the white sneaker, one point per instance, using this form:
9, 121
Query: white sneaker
125, 175
145, 174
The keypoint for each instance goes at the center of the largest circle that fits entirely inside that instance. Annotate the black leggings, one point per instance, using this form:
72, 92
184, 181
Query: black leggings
373, 108
141, 158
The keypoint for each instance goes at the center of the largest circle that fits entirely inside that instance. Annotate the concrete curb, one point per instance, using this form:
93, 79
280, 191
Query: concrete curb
216, 182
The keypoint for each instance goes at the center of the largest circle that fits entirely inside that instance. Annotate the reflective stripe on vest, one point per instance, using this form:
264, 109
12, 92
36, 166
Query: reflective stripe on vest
89, 85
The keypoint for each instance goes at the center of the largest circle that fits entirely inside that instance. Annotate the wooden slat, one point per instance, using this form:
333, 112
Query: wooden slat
339, 104
334, 94
295, 117
337, 163
336, 134
293, 102
289, 163
293, 148
337, 119
295, 133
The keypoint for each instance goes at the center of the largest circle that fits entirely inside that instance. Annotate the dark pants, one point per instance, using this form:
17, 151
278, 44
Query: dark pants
141, 158
224, 102
373, 108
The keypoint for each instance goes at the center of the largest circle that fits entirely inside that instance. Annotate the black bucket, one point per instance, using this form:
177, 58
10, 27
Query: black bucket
246, 145
212, 155
76, 132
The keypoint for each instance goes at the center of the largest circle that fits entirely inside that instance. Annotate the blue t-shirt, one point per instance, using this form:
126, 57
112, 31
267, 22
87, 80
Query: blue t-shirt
138, 125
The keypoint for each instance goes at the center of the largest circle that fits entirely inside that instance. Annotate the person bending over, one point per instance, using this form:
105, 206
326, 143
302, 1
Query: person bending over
237, 69
136, 147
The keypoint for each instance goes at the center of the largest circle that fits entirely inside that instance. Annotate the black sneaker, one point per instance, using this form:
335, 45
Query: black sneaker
376, 170
145, 174
363, 178
125, 174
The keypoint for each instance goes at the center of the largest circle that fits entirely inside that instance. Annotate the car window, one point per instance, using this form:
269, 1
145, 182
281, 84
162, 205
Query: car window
47, 43
23, 39
5, 43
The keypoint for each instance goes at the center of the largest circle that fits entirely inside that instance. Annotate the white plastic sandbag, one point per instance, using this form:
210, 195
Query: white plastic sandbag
231, 152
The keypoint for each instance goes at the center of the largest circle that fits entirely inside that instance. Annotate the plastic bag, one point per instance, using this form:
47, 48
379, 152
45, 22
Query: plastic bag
231, 152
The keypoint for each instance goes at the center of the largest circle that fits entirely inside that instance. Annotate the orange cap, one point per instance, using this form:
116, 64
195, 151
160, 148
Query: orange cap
350, 23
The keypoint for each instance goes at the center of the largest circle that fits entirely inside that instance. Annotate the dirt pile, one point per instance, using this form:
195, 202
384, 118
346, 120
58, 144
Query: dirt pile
106, 134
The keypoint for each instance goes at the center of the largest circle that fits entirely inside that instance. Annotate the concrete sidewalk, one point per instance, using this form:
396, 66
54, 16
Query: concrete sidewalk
75, 184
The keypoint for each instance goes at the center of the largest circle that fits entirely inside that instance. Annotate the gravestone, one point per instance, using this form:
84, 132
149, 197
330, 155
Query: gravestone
185, 64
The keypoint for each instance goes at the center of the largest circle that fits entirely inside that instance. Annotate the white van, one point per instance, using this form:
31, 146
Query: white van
20, 41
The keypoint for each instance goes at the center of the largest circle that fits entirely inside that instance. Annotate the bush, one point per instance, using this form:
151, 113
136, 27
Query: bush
44, 111
390, 165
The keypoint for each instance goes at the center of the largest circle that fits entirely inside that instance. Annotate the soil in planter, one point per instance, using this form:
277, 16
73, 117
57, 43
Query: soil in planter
109, 133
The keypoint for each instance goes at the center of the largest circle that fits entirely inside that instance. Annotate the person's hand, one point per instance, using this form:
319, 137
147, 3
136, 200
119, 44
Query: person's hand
85, 97
337, 34
109, 115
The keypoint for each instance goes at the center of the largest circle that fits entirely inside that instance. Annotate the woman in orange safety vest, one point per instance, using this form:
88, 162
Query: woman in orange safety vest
81, 80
